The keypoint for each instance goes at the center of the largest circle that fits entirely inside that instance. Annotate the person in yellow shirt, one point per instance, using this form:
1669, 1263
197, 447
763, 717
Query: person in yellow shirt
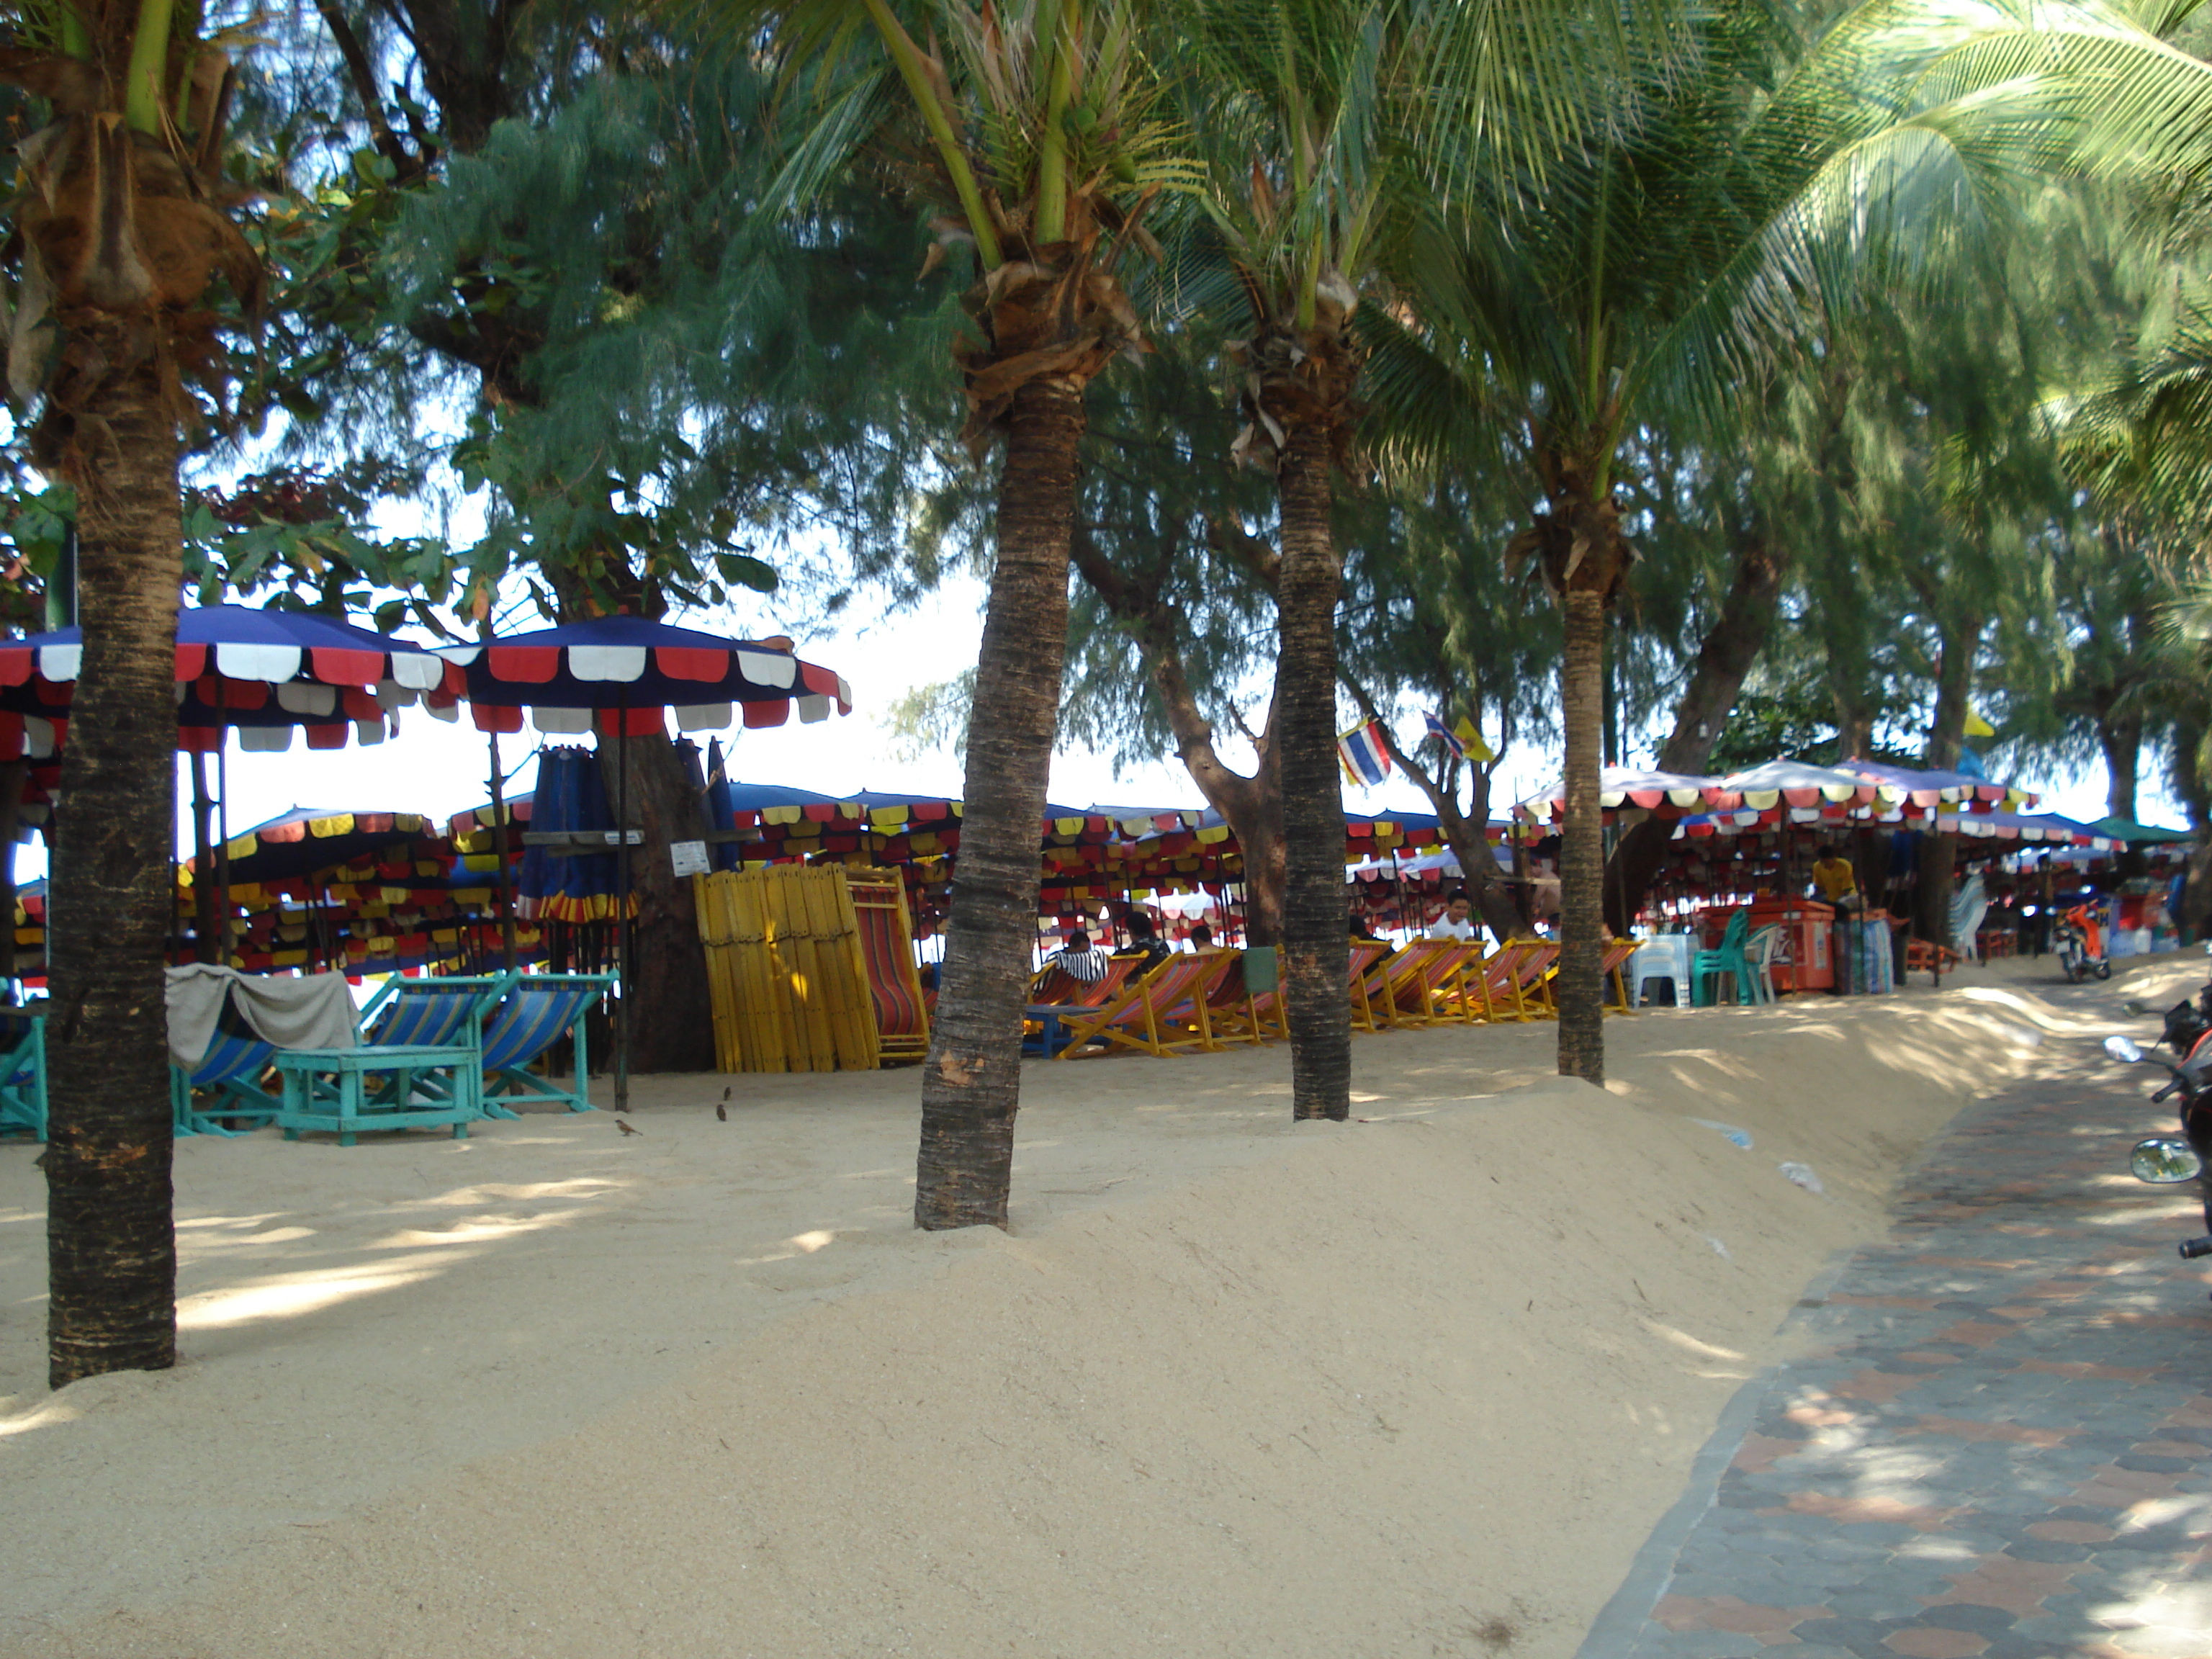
1838, 881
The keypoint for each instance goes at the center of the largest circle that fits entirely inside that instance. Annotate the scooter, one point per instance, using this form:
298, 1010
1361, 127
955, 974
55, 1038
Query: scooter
2171, 1160
2081, 945
2189, 1023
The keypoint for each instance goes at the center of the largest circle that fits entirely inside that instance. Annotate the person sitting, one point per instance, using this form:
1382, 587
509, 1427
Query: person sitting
1079, 959
1202, 937
1457, 921
1360, 930
1144, 941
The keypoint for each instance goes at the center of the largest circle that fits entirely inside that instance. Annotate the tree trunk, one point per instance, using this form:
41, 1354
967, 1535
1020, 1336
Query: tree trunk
1955, 683
672, 1025
1582, 870
111, 1243
2195, 789
2121, 738
971, 1084
1732, 645
1316, 944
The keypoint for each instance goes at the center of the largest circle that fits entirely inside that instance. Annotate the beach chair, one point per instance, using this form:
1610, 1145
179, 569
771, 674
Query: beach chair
1726, 958
903, 1011
1058, 989
1270, 1013
1232, 1011
1612, 968
1374, 989
417, 1066
1163, 1013
1429, 981
22, 1074
1496, 988
1759, 956
230, 1072
534, 1013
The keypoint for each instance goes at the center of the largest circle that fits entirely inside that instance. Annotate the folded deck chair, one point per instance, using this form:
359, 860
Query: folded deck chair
22, 1074
1164, 1013
893, 983
535, 1012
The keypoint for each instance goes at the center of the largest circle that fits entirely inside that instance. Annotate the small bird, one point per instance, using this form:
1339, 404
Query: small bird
626, 1129
722, 1110
722, 1113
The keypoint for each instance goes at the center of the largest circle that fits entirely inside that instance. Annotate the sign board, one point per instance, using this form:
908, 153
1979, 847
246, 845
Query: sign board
689, 857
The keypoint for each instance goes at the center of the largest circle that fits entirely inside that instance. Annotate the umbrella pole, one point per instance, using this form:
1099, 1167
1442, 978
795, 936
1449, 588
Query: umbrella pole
498, 856
222, 844
622, 909
203, 862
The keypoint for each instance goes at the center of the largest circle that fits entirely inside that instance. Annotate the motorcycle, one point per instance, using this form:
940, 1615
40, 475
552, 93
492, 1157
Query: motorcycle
2080, 938
2188, 1023
2171, 1160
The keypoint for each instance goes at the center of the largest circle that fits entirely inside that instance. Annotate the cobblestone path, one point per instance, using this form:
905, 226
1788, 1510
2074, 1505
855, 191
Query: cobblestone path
1999, 1441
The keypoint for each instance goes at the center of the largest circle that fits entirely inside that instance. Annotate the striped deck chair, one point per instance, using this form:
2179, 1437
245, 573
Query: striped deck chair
1396, 989
22, 1074
1232, 1010
893, 983
1057, 996
1533, 976
434, 1011
1271, 1012
1491, 990
1163, 1013
1613, 967
1434, 987
1370, 989
230, 1070
534, 1013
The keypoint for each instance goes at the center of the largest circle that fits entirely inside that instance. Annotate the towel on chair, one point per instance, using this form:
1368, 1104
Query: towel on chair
316, 1011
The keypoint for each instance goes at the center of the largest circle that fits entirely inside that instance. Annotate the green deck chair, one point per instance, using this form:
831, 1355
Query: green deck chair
22, 1074
527, 1015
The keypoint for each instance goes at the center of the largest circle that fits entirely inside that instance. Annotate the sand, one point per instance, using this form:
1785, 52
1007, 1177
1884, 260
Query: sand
1418, 1384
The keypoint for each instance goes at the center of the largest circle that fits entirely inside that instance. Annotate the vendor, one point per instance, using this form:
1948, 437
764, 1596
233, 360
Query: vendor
1837, 882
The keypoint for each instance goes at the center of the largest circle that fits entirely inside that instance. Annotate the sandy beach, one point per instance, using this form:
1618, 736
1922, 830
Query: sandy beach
1418, 1384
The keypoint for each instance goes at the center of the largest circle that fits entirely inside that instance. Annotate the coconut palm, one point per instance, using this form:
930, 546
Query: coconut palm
1643, 275
1032, 126
122, 251
1315, 117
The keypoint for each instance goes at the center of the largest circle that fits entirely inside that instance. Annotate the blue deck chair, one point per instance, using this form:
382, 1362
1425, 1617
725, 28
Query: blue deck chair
431, 1012
22, 1074
229, 1070
524, 1018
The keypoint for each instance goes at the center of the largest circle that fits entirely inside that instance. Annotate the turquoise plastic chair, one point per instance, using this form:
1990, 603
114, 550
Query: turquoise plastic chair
22, 1074
534, 1013
1727, 958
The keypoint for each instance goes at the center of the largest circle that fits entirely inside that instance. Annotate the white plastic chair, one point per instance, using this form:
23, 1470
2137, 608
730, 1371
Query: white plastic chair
1667, 957
1758, 950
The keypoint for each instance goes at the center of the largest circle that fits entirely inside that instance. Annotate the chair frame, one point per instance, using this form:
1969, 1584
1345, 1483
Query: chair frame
1175, 993
23, 1076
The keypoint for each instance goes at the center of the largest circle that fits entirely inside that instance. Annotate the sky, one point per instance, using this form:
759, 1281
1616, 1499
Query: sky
441, 769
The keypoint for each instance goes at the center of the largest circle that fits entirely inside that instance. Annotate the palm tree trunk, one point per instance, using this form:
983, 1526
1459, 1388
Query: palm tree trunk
971, 1086
1582, 867
1316, 945
111, 1243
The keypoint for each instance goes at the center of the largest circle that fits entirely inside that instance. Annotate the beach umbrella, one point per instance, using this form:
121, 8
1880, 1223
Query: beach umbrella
1899, 788
623, 675
1623, 788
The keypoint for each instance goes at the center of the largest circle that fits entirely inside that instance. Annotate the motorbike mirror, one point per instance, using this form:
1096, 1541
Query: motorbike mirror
2123, 1049
2164, 1160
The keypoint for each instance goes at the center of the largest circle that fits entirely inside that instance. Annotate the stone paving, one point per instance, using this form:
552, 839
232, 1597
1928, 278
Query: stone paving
1997, 1439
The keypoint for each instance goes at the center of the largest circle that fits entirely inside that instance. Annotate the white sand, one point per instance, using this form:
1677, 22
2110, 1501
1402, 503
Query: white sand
1419, 1384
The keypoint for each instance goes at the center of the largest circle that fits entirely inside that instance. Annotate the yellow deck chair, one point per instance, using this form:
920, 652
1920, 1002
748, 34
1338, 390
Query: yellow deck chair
1164, 1013
1613, 967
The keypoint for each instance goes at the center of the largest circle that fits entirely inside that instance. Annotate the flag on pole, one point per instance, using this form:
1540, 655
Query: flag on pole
1363, 754
1475, 748
1978, 727
1454, 743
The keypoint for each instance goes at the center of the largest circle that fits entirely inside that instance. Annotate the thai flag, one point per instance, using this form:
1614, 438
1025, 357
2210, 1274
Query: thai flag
1445, 735
1364, 755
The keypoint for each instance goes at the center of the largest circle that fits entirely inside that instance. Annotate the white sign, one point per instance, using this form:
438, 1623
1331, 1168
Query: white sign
689, 857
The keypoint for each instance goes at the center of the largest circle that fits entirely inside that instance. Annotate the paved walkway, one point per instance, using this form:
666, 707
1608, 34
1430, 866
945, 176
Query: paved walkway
1999, 1441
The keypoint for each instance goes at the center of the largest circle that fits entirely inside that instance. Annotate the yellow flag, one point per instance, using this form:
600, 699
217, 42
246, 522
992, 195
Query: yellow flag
1978, 727
1477, 750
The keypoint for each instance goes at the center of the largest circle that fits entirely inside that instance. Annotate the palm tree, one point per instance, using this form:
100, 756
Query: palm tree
123, 248
1639, 277
1037, 133
1313, 115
